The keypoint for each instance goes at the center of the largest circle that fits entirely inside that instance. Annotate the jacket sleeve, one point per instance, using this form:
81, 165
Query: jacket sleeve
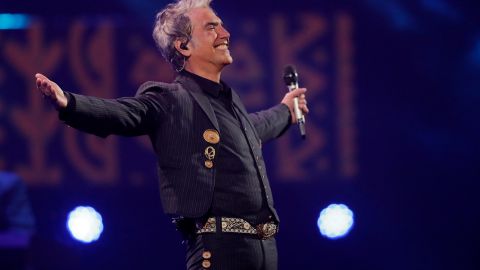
127, 116
271, 123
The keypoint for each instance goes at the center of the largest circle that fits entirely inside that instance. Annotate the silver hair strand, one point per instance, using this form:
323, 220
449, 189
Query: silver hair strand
172, 24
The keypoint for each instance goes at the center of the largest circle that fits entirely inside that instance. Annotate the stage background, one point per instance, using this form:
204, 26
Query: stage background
393, 89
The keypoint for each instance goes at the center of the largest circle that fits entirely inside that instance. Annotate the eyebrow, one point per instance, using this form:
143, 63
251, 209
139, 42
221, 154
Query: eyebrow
213, 24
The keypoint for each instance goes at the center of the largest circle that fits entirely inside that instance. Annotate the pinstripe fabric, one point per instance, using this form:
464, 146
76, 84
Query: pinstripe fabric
174, 116
256, 126
238, 190
232, 252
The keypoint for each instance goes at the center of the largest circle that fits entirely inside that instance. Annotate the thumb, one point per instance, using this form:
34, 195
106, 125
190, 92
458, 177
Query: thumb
297, 92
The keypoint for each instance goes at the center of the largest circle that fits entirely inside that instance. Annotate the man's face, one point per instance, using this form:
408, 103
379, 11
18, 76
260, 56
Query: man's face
210, 41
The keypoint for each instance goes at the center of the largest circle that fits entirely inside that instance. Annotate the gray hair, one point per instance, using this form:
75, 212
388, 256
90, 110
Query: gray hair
172, 24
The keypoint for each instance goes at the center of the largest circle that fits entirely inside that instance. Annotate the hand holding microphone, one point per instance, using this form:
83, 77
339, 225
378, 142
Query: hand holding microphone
295, 99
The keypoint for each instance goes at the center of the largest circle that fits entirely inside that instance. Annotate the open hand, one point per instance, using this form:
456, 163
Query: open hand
51, 91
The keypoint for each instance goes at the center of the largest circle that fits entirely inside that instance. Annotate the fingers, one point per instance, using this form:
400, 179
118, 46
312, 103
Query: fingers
302, 102
302, 99
40, 79
45, 85
304, 108
45, 88
48, 88
51, 91
289, 100
41, 76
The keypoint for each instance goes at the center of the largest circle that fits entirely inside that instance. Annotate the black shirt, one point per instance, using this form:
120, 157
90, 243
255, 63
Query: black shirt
238, 188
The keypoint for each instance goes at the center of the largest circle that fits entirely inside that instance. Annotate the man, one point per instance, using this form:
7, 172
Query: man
212, 174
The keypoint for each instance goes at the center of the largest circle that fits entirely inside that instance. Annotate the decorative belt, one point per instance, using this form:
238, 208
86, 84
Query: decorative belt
238, 225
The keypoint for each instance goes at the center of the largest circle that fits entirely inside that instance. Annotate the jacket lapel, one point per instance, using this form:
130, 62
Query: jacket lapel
199, 96
238, 103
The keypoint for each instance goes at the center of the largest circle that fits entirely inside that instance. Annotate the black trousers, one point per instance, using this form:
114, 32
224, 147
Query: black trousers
231, 251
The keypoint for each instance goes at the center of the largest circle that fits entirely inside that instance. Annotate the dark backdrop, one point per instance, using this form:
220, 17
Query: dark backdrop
392, 133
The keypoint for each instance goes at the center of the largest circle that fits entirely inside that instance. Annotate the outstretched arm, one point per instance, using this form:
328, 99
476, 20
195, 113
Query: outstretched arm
128, 116
274, 122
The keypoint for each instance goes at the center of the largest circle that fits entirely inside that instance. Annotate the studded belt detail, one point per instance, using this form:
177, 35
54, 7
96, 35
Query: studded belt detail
238, 225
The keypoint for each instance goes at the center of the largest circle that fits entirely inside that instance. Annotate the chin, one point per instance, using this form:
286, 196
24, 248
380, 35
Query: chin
225, 61
228, 61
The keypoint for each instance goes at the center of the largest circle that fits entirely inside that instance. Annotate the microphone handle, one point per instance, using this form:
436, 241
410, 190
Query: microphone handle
298, 114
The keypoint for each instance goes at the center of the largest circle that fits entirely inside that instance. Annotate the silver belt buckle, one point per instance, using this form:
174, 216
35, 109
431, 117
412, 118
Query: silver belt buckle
266, 230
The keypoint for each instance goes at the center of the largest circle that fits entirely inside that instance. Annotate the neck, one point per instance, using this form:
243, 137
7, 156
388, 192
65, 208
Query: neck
210, 75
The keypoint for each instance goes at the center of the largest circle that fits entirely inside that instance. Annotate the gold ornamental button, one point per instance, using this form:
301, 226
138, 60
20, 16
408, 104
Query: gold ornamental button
208, 164
206, 255
206, 264
211, 136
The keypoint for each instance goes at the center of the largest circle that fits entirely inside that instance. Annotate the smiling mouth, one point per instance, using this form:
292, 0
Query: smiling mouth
223, 46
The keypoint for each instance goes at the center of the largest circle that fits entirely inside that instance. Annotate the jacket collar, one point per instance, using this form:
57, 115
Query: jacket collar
210, 87
199, 96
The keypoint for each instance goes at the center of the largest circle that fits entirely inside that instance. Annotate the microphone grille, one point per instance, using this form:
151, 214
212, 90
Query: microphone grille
290, 75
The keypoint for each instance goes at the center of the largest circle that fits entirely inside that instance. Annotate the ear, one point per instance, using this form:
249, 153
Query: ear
182, 48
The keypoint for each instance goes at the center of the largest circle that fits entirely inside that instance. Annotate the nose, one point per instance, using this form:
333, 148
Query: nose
222, 32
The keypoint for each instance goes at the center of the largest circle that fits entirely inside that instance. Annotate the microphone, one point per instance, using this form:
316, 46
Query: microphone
290, 76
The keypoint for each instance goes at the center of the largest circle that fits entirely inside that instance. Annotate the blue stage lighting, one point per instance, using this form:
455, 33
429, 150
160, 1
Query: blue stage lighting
85, 224
11, 21
335, 221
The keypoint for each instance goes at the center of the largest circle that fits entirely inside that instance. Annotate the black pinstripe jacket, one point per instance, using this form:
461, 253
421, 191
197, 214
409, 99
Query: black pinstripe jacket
175, 115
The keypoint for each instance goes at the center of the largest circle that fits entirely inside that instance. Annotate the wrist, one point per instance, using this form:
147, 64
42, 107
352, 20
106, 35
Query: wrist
291, 114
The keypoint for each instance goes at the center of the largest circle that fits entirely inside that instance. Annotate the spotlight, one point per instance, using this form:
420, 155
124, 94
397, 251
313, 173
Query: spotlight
85, 224
335, 221
11, 21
